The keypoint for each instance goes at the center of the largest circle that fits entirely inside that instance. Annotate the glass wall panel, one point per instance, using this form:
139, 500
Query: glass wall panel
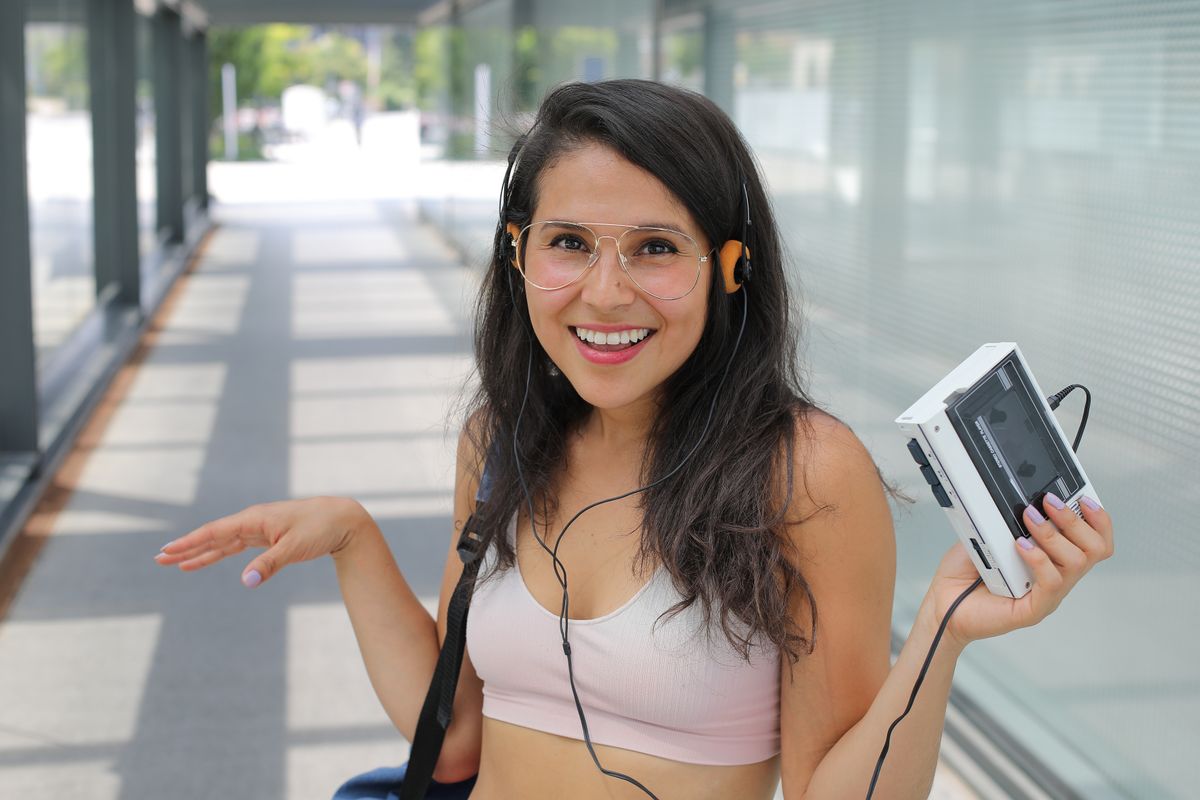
147, 181
949, 173
681, 54
593, 41
59, 158
487, 64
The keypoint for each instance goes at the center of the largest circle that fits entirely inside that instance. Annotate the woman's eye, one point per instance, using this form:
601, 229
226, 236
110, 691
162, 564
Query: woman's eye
566, 242
657, 248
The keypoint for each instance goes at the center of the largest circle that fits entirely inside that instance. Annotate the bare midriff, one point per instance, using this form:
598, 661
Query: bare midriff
533, 765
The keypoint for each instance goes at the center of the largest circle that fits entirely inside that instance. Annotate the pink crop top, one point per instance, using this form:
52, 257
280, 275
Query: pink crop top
667, 690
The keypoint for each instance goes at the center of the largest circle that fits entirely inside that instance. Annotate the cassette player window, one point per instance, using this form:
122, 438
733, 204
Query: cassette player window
1016, 449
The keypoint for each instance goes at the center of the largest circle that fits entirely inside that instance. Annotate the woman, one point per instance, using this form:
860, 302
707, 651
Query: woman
614, 353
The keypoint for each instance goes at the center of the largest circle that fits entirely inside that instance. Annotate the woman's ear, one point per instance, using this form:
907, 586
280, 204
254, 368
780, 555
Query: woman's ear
514, 233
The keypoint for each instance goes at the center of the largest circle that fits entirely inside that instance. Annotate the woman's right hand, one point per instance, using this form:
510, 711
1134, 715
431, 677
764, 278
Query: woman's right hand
291, 530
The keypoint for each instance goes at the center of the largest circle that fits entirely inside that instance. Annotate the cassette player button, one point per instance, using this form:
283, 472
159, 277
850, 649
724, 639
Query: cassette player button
914, 447
940, 493
930, 476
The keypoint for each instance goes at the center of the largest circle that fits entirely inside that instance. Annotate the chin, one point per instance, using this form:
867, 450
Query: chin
605, 398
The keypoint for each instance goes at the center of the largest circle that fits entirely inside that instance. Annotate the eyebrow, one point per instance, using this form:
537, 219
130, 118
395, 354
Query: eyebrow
673, 226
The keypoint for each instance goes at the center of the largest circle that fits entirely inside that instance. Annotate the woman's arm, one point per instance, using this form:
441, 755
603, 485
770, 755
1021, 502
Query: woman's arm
836, 711
396, 634
398, 638
845, 770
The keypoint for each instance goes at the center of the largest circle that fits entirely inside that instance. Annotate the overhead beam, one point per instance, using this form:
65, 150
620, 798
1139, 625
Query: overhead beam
315, 12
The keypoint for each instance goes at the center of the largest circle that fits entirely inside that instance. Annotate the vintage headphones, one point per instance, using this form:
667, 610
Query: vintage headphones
734, 256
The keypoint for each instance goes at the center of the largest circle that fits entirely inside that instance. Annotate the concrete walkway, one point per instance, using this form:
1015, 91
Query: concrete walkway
316, 348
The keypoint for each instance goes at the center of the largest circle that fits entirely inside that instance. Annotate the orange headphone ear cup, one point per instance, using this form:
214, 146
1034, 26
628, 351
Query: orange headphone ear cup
730, 256
514, 233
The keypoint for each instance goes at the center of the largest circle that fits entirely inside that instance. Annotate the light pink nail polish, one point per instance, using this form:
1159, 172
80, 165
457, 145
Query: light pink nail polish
251, 579
1025, 543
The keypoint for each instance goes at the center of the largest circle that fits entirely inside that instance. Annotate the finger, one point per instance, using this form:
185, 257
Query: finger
1061, 550
1074, 527
176, 554
1049, 582
245, 525
208, 558
170, 559
193, 554
1097, 517
266, 564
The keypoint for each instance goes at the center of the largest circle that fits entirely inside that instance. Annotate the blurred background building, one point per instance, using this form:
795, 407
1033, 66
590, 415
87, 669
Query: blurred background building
945, 172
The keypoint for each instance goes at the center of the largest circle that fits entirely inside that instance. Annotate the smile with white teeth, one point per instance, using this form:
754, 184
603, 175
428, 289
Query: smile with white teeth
629, 336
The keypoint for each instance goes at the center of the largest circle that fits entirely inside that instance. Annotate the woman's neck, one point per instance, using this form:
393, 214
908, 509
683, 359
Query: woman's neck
621, 430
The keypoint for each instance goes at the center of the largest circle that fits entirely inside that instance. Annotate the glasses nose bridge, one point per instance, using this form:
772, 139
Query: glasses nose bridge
616, 240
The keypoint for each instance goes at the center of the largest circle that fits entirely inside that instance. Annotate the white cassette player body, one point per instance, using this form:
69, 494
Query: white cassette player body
988, 445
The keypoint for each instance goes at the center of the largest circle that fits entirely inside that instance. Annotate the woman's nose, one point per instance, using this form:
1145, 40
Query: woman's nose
609, 284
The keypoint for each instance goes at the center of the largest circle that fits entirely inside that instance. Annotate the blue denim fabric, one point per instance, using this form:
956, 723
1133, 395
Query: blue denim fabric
384, 784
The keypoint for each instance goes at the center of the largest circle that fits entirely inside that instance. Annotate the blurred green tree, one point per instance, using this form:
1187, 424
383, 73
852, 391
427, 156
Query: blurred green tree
241, 47
270, 58
57, 57
397, 83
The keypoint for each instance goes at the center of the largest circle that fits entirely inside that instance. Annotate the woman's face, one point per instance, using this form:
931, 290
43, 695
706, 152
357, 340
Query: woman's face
594, 184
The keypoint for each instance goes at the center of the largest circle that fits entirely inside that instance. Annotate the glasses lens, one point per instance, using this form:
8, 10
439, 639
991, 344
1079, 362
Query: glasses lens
665, 263
553, 254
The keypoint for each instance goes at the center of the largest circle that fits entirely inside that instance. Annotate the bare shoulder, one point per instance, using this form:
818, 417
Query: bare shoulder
832, 470
469, 458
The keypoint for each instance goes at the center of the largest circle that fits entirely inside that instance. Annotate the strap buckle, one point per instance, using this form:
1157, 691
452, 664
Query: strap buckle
470, 542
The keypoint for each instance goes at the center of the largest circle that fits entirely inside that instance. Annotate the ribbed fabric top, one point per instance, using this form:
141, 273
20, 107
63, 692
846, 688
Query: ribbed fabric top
671, 690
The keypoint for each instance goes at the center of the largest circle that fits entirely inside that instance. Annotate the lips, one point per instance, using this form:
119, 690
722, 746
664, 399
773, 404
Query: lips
594, 344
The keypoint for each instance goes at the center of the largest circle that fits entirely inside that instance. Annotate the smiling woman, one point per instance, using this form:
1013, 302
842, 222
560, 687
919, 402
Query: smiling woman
666, 508
597, 290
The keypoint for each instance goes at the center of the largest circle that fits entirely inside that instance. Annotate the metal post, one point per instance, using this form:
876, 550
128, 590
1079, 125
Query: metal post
229, 110
200, 118
168, 39
656, 34
18, 373
720, 58
187, 111
113, 77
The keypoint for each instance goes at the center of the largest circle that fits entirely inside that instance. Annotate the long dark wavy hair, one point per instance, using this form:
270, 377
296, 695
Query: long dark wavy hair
717, 526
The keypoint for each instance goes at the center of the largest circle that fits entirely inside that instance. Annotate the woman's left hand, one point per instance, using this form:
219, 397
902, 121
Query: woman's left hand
1064, 548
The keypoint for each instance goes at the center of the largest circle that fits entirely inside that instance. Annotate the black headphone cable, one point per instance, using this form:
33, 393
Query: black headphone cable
1053, 401
560, 570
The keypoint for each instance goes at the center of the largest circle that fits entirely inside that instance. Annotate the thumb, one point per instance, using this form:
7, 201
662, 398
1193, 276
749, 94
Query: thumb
265, 565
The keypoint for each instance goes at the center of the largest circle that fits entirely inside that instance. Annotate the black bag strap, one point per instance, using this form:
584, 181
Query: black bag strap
439, 700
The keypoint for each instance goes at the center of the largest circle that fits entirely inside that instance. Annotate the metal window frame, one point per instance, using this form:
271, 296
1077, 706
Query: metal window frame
168, 80
18, 358
113, 81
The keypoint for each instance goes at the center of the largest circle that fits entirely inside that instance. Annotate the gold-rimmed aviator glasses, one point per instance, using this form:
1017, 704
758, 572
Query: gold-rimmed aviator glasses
662, 262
